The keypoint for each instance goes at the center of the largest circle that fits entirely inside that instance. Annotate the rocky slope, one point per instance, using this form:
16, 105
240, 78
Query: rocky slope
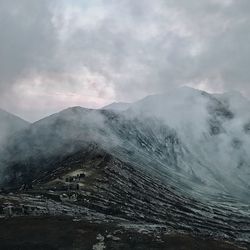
114, 192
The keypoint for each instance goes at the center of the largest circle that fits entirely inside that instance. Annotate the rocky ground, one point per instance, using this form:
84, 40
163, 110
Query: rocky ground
66, 233
115, 206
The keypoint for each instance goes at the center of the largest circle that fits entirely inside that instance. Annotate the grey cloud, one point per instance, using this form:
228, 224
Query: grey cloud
27, 38
138, 47
165, 59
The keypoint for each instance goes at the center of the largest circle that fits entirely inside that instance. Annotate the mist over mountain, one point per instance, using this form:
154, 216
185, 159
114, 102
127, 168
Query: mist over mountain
187, 136
9, 124
117, 106
138, 131
188, 141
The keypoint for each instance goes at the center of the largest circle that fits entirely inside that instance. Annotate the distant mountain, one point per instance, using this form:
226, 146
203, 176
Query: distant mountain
9, 124
117, 106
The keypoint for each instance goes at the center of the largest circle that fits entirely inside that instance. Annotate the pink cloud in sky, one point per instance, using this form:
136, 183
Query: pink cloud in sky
41, 95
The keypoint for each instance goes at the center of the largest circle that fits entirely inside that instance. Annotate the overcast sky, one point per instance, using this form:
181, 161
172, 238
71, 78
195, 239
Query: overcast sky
60, 53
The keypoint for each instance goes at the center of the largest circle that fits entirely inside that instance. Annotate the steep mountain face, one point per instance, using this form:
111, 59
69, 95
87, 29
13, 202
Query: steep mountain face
179, 159
213, 139
9, 124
